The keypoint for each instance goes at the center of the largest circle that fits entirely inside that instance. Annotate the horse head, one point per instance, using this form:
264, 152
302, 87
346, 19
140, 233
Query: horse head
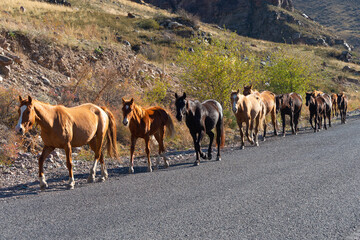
127, 109
26, 115
234, 98
248, 90
309, 98
180, 104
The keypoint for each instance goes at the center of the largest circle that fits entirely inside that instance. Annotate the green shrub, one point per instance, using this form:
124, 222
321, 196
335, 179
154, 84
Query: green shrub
148, 24
157, 92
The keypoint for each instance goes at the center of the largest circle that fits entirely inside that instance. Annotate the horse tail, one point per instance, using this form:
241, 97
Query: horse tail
262, 116
111, 134
170, 129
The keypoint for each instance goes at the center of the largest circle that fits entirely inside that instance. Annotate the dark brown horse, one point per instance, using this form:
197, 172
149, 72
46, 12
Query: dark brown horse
342, 103
63, 127
289, 104
144, 123
317, 108
202, 118
268, 99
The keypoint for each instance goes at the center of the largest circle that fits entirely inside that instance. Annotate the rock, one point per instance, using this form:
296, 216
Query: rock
5, 61
5, 70
127, 43
347, 46
191, 49
348, 69
175, 25
45, 80
22, 9
345, 56
296, 35
130, 15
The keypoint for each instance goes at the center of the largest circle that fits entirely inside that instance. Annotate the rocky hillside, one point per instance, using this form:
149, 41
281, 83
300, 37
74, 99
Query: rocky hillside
273, 20
342, 16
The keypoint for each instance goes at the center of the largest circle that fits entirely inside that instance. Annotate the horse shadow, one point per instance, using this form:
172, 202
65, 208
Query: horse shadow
58, 184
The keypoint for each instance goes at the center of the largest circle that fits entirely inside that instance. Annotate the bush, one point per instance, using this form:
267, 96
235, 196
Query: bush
214, 70
149, 24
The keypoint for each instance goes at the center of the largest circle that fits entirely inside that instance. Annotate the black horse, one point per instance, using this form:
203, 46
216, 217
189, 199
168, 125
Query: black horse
342, 102
202, 118
290, 104
318, 110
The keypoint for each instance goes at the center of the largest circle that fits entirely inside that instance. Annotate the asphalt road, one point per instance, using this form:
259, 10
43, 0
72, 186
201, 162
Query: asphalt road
298, 187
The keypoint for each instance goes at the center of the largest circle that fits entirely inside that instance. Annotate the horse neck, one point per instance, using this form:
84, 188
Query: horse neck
44, 114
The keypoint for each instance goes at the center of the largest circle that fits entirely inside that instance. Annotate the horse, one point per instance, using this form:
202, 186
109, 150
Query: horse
202, 118
289, 104
63, 127
145, 123
342, 103
334, 108
268, 99
328, 103
317, 108
251, 110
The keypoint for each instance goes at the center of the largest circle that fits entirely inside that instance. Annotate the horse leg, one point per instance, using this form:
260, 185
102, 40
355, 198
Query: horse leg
296, 121
292, 122
242, 137
283, 123
273, 120
197, 161
218, 139
132, 149
249, 126
324, 115
45, 152
257, 125
147, 150
264, 129
68, 152
329, 117
160, 139
200, 137
310, 120
92, 173
211, 136
104, 173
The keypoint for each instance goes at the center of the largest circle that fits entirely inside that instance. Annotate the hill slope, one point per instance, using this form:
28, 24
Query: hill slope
342, 16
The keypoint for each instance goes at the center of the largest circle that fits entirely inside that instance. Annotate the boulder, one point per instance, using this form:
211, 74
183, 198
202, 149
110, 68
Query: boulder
5, 70
5, 61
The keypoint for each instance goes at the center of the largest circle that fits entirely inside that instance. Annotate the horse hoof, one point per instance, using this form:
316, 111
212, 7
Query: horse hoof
264, 139
166, 164
196, 163
256, 144
131, 170
203, 156
218, 158
70, 186
43, 187
149, 169
90, 179
209, 157
242, 147
101, 179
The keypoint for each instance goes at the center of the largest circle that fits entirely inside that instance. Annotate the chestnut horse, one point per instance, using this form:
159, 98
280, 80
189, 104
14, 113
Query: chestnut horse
334, 108
144, 123
317, 109
63, 127
202, 118
289, 104
251, 110
268, 99
342, 103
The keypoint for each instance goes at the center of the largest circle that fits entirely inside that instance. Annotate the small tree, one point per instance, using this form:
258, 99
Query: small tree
214, 70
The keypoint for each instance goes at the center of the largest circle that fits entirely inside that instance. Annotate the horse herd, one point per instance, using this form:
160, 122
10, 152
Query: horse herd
63, 127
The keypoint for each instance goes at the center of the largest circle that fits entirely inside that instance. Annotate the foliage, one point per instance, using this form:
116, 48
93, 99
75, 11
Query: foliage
8, 106
157, 92
286, 74
149, 24
214, 70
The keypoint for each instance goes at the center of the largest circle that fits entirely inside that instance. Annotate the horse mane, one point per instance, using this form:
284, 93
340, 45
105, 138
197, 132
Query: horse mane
138, 112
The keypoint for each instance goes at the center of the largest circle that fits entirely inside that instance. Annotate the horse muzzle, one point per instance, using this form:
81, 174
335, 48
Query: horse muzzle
234, 109
20, 130
125, 122
179, 117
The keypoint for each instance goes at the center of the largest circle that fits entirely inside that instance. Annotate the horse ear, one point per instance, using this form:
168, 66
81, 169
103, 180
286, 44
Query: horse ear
250, 86
30, 99
184, 95
123, 100
132, 101
238, 91
20, 99
176, 96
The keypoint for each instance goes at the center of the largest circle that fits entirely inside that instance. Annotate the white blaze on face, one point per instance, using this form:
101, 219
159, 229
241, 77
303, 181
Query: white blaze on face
19, 125
125, 121
234, 103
